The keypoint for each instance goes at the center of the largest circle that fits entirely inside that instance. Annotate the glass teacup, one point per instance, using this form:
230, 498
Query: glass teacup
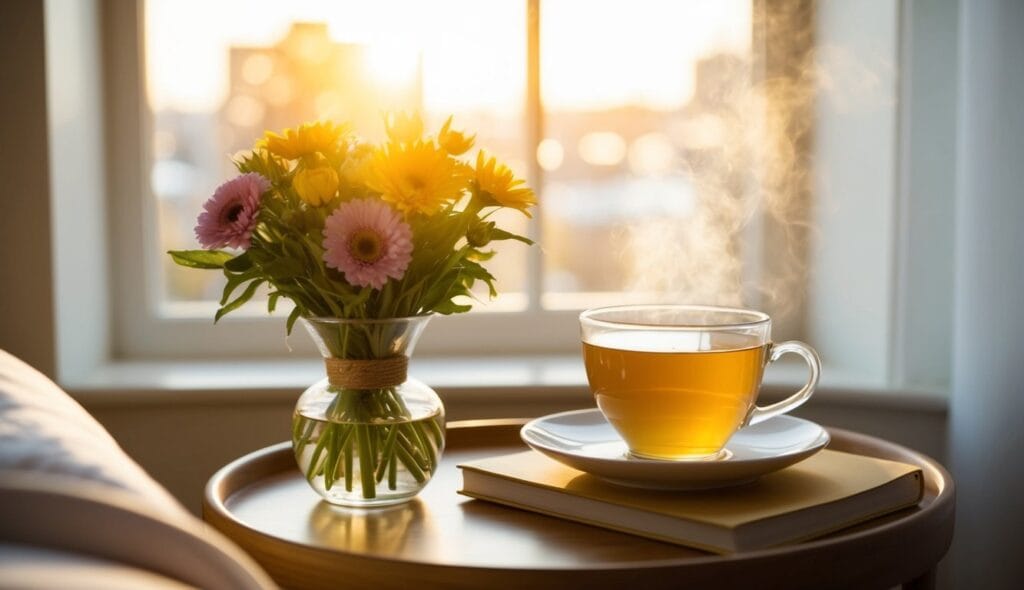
676, 381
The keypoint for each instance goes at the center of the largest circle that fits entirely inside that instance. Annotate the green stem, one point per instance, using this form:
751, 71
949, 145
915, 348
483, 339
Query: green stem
330, 460
310, 426
333, 450
366, 469
388, 451
373, 432
348, 467
418, 440
435, 427
297, 425
313, 469
344, 442
410, 463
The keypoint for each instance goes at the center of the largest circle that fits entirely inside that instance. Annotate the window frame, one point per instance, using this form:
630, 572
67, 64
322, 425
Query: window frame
142, 328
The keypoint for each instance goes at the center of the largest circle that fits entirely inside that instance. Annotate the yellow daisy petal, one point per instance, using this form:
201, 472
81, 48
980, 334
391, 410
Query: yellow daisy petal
306, 140
497, 185
418, 177
403, 127
455, 143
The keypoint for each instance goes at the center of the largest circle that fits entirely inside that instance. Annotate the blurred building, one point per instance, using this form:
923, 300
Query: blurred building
607, 173
611, 172
307, 76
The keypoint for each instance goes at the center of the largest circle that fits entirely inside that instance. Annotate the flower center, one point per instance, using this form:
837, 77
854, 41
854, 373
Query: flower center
366, 246
231, 213
415, 182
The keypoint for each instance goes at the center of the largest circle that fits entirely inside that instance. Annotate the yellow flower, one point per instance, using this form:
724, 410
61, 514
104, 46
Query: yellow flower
317, 184
454, 142
356, 168
308, 139
496, 185
403, 127
418, 177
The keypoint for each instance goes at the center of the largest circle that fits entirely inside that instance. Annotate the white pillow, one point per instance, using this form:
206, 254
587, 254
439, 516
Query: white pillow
43, 429
25, 567
88, 519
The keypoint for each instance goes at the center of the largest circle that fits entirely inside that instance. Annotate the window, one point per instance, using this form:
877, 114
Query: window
627, 157
250, 68
737, 152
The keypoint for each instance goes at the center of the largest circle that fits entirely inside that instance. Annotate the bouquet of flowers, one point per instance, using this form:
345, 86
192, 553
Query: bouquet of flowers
350, 230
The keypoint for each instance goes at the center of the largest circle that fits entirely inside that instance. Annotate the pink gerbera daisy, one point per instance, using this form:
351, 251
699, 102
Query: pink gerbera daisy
230, 214
368, 242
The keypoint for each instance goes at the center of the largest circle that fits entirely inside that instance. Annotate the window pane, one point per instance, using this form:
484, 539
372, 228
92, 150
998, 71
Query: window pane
641, 185
220, 73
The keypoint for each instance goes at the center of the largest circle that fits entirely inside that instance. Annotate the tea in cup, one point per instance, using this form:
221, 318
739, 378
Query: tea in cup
676, 381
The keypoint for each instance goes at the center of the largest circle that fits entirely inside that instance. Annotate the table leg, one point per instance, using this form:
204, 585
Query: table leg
925, 581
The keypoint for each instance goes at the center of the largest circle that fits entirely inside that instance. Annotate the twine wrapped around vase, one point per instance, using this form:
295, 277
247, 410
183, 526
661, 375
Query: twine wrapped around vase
367, 373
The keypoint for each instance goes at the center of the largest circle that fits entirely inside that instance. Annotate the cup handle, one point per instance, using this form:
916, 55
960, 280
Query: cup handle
760, 414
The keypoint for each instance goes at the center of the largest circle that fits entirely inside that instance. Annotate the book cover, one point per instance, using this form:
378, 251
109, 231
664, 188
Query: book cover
824, 493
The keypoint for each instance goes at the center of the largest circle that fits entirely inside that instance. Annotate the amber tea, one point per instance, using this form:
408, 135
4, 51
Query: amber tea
677, 381
673, 403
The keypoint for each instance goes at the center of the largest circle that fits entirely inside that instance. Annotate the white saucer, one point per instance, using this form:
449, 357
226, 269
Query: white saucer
584, 440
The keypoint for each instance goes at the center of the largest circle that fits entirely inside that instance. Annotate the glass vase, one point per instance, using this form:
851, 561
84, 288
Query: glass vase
367, 434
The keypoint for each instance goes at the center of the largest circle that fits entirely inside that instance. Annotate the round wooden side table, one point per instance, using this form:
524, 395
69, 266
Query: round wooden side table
446, 540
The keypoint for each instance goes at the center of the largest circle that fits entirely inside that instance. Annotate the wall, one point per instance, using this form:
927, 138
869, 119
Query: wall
26, 270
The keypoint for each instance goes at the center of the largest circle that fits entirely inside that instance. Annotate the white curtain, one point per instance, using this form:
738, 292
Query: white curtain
986, 426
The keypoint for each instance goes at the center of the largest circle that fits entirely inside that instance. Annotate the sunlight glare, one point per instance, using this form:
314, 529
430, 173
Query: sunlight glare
473, 53
392, 64
602, 148
638, 53
550, 154
652, 154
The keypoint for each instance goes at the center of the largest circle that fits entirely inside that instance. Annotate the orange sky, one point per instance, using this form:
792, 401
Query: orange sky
595, 54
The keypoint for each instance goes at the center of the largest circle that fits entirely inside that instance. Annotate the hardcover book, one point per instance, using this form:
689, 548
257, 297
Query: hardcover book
827, 492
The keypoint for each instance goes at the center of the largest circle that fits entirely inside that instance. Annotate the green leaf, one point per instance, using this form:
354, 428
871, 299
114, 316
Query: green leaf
449, 307
240, 301
234, 280
482, 255
327, 295
240, 263
209, 259
361, 298
284, 268
272, 301
386, 299
292, 317
500, 234
439, 291
477, 272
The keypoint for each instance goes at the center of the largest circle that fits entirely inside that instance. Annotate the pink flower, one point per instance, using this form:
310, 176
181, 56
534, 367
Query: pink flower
367, 241
230, 214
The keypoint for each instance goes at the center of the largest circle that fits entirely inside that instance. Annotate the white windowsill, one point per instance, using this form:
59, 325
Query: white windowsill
520, 378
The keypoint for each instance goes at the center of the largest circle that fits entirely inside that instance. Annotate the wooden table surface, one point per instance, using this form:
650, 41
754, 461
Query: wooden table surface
445, 540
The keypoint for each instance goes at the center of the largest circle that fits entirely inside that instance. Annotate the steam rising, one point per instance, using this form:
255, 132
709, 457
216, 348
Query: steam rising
747, 242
